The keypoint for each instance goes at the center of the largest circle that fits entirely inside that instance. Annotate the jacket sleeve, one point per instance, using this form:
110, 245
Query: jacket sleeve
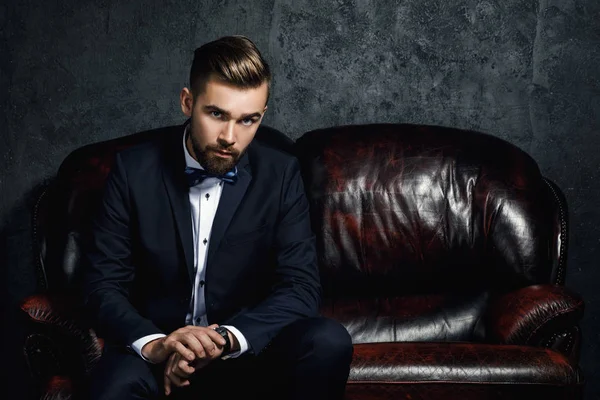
109, 272
296, 292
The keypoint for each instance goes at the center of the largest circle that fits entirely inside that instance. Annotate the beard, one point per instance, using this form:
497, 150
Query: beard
210, 161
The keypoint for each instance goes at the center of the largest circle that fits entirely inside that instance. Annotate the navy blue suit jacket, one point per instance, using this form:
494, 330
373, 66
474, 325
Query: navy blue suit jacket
261, 271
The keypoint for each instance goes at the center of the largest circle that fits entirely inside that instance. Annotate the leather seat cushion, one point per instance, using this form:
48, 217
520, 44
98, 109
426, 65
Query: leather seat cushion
476, 363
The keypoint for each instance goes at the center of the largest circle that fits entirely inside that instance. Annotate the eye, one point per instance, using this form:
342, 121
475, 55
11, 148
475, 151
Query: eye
248, 121
216, 114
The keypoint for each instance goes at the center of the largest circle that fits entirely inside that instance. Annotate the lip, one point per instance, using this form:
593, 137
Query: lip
223, 154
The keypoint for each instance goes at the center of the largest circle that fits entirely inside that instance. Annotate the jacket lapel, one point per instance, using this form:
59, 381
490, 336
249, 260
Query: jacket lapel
178, 192
231, 198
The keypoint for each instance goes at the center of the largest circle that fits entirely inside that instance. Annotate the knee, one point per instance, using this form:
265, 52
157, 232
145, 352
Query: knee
113, 390
331, 341
121, 387
120, 378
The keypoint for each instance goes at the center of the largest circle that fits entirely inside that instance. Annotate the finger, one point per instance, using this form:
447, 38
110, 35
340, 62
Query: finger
176, 380
185, 368
170, 363
177, 346
182, 376
179, 368
167, 383
177, 371
192, 343
179, 374
167, 386
172, 375
207, 342
210, 331
215, 337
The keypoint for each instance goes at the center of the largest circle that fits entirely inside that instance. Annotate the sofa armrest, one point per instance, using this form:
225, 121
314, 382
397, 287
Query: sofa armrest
539, 315
66, 337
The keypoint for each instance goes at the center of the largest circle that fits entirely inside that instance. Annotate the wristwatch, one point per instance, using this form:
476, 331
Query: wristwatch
224, 332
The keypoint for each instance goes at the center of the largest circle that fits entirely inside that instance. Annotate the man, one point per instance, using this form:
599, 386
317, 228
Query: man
202, 269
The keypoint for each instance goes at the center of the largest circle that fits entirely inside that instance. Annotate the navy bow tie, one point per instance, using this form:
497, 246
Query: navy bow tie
195, 176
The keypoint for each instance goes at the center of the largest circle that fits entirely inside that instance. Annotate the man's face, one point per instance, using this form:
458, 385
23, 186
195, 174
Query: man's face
224, 120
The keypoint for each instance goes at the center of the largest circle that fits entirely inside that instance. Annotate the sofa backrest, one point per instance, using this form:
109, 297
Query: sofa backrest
400, 209
420, 228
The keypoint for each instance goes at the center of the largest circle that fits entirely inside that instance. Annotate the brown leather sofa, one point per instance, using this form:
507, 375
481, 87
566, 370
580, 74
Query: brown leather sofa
442, 251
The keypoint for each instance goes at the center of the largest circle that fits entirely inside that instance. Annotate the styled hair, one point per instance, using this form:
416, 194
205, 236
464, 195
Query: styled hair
232, 59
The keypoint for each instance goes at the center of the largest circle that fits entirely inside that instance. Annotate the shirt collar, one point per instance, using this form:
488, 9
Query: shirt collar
189, 160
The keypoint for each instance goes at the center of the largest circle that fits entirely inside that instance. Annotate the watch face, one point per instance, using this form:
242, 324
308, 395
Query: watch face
221, 330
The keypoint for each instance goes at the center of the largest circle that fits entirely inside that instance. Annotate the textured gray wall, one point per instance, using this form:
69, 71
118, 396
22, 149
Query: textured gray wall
75, 72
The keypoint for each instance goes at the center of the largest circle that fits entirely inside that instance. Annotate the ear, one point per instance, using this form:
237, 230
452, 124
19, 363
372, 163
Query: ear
186, 100
263, 113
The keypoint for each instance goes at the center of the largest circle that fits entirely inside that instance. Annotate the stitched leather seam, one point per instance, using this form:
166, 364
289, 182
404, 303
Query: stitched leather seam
551, 339
380, 382
87, 338
554, 316
67, 325
570, 340
560, 276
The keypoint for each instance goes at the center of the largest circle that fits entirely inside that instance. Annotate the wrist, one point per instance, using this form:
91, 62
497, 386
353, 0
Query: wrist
235, 345
150, 349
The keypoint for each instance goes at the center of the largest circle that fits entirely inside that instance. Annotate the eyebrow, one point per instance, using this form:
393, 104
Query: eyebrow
211, 107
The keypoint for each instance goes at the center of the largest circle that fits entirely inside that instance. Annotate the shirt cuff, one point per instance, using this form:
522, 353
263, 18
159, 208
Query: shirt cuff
241, 340
139, 344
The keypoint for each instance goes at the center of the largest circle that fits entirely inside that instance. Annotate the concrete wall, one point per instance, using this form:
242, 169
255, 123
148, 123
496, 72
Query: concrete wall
75, 72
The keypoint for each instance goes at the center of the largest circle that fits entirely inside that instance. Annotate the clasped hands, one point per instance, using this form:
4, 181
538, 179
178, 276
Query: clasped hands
186, 350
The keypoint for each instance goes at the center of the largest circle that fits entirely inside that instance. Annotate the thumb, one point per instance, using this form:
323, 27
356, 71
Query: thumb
213, 326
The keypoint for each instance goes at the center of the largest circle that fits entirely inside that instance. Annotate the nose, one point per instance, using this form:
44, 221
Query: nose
228, 133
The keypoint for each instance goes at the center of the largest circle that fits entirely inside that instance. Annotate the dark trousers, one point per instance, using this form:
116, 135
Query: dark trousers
309, 359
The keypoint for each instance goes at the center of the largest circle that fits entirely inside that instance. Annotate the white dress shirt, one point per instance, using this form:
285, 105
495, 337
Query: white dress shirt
204, 200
